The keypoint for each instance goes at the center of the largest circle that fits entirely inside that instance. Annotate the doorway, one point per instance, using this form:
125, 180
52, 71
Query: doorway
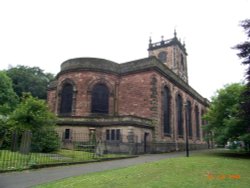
146, 142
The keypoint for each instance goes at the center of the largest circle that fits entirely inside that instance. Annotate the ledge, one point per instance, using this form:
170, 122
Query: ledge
100, 121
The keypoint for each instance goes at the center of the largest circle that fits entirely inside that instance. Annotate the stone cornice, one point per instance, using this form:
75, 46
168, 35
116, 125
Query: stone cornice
98, 121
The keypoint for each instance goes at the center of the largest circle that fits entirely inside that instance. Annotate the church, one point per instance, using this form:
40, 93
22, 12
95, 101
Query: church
141, 106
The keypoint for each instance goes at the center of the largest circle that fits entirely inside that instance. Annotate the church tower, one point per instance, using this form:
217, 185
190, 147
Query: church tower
172, 53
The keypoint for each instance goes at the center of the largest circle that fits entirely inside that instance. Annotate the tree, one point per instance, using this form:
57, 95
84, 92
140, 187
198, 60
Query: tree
8, 101
223, 114
244, 54
8, 98
33, 114
30, 79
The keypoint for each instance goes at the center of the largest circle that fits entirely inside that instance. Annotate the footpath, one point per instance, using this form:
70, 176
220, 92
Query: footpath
29, 178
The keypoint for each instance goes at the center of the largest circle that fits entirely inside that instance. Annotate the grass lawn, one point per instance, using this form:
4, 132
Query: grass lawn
16, 161
213, 169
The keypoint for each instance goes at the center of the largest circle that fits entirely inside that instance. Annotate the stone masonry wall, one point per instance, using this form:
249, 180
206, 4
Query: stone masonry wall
84, 81
135, 95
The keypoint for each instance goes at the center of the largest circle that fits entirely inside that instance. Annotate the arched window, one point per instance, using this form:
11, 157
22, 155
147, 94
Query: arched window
162, 56
166, 111
179, 115
100, 99
197, 120
189, 119
66, 99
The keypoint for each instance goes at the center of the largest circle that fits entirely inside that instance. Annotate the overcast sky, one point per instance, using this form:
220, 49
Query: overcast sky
45, 33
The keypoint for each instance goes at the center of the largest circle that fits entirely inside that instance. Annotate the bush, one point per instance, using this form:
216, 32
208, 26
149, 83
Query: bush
45, 140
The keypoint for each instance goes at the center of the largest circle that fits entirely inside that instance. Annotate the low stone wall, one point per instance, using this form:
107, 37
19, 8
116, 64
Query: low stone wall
170, 147
128, 148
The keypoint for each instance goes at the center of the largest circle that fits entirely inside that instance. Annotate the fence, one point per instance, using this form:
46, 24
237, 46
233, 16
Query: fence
17, 151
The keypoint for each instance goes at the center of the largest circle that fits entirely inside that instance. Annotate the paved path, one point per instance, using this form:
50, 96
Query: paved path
30, 178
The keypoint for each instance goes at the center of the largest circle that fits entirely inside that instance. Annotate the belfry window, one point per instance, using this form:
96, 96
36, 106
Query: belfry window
66, 99
179, 115
166, 111
100, 99
162, 56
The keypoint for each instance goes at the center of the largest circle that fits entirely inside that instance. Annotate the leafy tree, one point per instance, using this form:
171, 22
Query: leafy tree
222, 116
30, 79
8, 98
33, 114
8, 101
244, 54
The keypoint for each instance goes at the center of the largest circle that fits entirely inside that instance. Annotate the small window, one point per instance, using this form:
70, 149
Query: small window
113, 134
117, 134
107, 134
67, 134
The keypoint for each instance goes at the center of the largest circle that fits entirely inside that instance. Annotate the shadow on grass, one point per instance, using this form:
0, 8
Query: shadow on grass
229, 153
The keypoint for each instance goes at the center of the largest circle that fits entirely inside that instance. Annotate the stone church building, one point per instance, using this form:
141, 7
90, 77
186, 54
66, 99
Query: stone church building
141, 106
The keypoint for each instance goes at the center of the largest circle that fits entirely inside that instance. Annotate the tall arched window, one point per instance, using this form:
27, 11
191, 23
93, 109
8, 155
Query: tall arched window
189, 118
100, 99
203, 123
66, 99
179, 115
197, 121
166, 111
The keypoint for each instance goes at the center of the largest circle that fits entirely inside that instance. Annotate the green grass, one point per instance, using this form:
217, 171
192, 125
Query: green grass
213, 169
16, 161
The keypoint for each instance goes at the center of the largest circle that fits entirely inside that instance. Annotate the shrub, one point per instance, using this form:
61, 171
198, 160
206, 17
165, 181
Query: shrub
45, 140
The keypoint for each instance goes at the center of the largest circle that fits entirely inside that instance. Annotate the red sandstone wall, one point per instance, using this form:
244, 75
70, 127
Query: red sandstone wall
135, 95
84, 80
51, 100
